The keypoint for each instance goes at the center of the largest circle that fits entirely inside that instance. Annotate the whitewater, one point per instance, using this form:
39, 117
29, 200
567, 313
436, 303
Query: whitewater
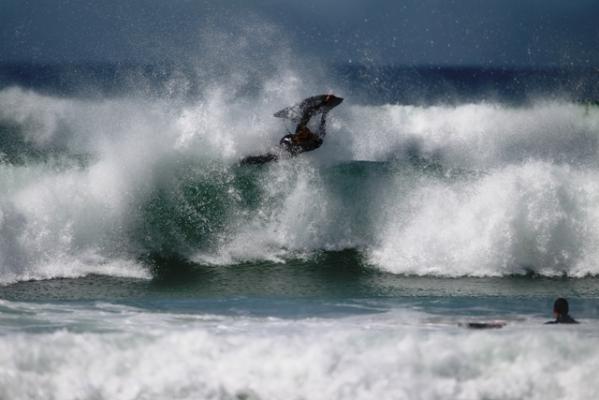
484, 189
123, 352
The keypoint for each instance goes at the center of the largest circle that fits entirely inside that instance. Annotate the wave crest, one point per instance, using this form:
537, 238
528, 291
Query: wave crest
473, 189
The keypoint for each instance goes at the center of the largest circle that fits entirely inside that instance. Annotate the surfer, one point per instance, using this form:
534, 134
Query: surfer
560, 312
303, 139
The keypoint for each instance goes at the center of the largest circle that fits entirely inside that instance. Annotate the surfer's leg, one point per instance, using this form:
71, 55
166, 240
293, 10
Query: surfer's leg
258, 160
304, 121
322, 128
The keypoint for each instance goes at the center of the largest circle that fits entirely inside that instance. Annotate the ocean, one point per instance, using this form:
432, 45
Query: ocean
140, 260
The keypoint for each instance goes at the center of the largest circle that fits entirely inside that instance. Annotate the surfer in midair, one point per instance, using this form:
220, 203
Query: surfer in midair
303, 139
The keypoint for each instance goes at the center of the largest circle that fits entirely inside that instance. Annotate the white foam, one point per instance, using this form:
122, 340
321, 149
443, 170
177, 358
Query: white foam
358, 357
526, 205
293, 219
56, 213
64, 218
472, 135
537, 217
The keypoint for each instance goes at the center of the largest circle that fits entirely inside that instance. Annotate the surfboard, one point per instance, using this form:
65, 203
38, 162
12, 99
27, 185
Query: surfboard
311, 105
483, 324
306, 108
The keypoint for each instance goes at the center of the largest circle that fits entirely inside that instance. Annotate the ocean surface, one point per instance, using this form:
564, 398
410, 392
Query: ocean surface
140, 260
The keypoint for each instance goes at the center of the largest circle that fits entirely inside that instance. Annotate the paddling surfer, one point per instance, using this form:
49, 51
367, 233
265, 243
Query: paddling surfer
561, 311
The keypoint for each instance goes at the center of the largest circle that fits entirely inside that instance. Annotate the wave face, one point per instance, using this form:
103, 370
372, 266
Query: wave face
106, 184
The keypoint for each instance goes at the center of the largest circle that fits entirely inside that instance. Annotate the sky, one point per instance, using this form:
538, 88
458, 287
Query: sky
381, 32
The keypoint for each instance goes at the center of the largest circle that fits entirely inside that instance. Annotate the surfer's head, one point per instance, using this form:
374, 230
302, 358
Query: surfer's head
561, 307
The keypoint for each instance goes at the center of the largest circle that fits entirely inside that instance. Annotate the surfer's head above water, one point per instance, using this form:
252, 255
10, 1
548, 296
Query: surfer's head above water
561, 307
561, 311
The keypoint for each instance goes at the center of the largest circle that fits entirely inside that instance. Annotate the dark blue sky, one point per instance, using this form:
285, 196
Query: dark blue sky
406, 32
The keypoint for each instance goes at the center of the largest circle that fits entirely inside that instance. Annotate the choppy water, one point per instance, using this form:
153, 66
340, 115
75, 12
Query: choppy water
139, 260
305, 330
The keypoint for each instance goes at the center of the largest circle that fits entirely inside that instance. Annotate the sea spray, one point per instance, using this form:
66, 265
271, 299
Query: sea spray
472, 189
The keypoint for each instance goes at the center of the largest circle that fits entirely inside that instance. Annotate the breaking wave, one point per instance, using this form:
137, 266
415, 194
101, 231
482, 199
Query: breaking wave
105, 184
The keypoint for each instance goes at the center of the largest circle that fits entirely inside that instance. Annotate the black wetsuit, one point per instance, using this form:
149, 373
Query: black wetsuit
303, 139
563, 319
